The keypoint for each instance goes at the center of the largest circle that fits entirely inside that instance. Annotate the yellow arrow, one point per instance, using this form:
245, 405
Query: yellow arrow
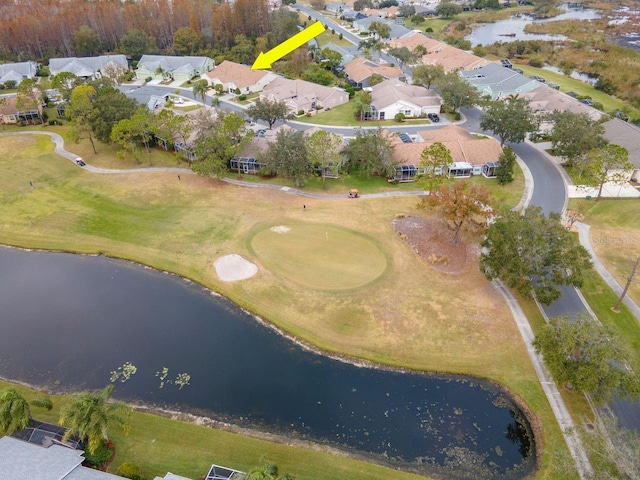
265, 60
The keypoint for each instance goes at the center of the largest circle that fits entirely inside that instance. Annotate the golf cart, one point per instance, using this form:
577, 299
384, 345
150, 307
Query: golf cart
354, 193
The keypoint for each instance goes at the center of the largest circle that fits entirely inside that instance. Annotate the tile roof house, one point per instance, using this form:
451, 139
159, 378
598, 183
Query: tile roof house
452, 58
20, 460
87, 67
545, 99
358, 72
10, 112
497, 81
464, 147
17, 71
392, 97
301, 95
414, 38
163, 67
388, 12
627, 135
233, 75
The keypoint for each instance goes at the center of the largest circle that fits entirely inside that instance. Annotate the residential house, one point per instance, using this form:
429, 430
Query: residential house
359, 71
545, 99
248, 161
11, 112
17, 71
497, 81
20, 460
164, 67
87, 67
453, 59
388, 12
470, 155
300, 95
335, 7
348, 52
392, 97
414, 38
152, 97
627, 135
397, 30
234, 76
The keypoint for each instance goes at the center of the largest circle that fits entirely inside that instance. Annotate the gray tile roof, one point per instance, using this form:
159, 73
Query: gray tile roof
494, 80
17, 71
397, 31
24, 461
173, 63
626, 135
85, 66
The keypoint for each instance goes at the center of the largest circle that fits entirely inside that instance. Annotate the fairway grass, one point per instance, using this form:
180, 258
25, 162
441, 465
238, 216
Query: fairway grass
412, 316
319, 256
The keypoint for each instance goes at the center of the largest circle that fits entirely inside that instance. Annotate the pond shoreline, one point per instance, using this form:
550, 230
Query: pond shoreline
533, 424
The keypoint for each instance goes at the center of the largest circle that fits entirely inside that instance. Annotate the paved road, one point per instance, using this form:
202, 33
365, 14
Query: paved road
550, 194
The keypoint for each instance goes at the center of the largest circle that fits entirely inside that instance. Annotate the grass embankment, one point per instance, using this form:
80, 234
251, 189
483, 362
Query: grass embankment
591, 52
160, 445
568, 84
615, 237
438, 322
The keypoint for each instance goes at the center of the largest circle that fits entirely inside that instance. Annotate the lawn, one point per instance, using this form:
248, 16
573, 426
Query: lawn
568, 84
615, 236
445, 323
342, 115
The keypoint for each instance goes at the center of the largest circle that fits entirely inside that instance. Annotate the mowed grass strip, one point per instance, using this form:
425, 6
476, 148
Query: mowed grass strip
411, 317
615, 237
320, 256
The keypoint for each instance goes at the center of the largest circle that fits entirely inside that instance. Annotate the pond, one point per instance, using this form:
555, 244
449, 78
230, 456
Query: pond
513, 29
71, 322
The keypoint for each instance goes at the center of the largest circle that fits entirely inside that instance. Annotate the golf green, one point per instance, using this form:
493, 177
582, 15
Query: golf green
320, 256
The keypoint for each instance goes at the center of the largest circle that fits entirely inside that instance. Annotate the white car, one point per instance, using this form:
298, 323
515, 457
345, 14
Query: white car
178, 100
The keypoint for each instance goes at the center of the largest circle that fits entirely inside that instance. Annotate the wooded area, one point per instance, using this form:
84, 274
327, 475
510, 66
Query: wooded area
40, 29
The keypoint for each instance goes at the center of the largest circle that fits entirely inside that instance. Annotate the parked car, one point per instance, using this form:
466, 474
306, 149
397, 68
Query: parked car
586, 101
433, 117
178, 100
261, 133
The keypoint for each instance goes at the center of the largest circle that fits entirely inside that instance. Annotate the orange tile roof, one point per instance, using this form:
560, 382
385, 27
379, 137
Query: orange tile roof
240, 75
361, 68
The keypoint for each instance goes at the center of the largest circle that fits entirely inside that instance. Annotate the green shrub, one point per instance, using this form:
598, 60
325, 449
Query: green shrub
536, 62
399, 117
102, 454
300, 112
129, 470
428, 30
242, 97
148, 79
130, 75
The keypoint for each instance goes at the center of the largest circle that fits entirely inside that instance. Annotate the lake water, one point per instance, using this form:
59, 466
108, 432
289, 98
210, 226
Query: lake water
68, 322
489, 33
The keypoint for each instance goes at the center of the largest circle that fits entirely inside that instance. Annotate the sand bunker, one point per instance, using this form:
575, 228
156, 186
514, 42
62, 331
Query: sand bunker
231, 268
280, 229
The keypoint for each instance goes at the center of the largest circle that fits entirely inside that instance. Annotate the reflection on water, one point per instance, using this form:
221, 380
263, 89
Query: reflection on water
513, 29
74, 322
583, 77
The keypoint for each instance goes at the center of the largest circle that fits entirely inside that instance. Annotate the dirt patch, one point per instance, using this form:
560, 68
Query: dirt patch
432, 241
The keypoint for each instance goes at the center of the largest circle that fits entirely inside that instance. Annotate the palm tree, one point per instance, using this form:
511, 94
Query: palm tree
200, 88
267, 471
15, 411
89, 415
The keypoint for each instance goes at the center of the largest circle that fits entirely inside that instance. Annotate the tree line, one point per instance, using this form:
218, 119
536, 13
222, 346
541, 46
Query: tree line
41, 29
